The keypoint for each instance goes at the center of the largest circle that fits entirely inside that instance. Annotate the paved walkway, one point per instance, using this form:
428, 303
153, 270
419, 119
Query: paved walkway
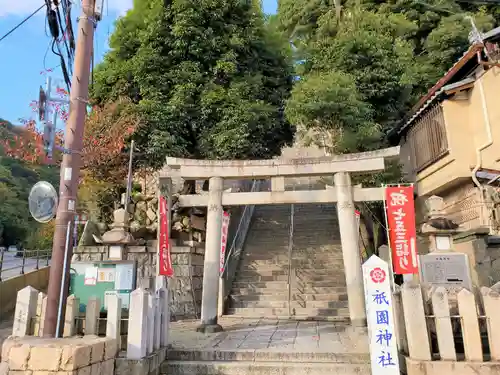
271, 335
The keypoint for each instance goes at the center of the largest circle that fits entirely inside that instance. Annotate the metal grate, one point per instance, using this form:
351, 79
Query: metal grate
427, 139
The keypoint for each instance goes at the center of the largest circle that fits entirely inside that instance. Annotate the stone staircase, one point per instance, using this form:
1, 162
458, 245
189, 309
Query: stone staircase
317, 279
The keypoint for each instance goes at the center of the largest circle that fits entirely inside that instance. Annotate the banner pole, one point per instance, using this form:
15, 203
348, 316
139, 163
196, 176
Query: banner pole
387, 230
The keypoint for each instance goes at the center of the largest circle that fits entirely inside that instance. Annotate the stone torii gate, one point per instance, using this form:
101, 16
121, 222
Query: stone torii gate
344, 194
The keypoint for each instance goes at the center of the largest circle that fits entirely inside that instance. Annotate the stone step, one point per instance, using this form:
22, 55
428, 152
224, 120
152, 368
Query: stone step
305, 312
272, 284
305, 264
258, 271
336, 277
261, 368
280, 296
280, 287
333, 258
266, 355
295, 304
323, 291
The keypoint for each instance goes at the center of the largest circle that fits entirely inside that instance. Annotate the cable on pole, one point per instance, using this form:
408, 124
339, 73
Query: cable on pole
21, 23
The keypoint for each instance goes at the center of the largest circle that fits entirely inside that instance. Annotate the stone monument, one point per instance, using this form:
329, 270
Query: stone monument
119, 234
442, 266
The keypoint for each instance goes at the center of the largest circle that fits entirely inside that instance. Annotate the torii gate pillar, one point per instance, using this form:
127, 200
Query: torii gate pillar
350, 248
209, 302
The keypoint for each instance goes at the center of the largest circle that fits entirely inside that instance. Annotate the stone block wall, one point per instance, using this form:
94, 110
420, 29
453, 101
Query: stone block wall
88, 355
185, 288
483, 252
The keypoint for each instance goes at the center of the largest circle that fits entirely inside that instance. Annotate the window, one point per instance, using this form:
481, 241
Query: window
427, 139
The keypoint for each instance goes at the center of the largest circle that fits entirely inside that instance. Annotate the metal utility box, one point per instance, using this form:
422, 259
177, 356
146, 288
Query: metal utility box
100, 279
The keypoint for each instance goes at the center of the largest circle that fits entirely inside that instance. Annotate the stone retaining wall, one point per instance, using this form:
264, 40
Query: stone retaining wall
185, 288
88, 355
38, 279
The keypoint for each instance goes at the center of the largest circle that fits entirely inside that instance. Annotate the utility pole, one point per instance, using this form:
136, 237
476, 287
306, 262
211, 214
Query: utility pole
70, 168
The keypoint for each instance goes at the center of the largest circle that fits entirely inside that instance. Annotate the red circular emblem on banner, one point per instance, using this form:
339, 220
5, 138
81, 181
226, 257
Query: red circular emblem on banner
377, 275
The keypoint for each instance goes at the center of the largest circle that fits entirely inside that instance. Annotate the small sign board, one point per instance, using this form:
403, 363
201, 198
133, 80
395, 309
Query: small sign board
106, 275
380, 317
90, 276
446, 269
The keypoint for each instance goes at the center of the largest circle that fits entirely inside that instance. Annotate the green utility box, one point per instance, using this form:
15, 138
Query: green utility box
100, 279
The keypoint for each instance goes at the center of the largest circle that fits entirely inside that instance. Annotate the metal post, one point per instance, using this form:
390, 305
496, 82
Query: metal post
129, 177
70, 168
1, 262
37, 251
290, 267
24, 262
391, 268
63, 283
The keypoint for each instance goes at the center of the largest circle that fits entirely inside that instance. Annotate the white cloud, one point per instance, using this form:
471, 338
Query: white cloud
26, 7
119, 6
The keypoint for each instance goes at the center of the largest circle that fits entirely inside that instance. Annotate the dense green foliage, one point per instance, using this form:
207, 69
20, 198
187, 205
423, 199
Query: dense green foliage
16, 179
208, 77
392, 51
362, 65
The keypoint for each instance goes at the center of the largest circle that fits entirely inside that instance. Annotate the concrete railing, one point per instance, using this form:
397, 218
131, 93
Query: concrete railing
144, 332
10, 287
444, 331
13, 263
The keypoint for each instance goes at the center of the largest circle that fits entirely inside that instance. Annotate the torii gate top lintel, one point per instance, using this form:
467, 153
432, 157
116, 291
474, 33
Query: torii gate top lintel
279, 167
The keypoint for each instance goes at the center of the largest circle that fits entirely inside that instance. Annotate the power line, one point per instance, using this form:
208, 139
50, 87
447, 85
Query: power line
22, 23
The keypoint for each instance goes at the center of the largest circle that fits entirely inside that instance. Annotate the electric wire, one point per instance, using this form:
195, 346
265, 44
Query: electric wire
56, 26
21, 23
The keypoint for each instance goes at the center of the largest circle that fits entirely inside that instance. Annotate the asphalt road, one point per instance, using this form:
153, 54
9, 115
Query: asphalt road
12, 265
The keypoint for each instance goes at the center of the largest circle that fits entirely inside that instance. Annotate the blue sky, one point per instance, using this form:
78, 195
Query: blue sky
24, 55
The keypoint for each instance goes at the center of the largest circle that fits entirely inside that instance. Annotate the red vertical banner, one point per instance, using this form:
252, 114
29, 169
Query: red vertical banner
223, 239
164, 258
400, 208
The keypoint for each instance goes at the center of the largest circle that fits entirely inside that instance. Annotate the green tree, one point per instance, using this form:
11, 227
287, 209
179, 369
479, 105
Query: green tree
209, 79
16, 180
330, 113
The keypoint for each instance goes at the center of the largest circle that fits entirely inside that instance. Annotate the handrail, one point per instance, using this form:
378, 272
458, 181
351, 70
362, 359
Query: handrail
290, 248
41, 256
246, 215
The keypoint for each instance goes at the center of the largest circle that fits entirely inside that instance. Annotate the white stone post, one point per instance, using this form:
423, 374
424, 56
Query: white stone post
350, 248
92, 314
72, 310
25, 311
41, 304
165, 315
444, 329
209, 302
417, 334
151, 322
158, 322
470, 326
491, 303
114, 319
137, 324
